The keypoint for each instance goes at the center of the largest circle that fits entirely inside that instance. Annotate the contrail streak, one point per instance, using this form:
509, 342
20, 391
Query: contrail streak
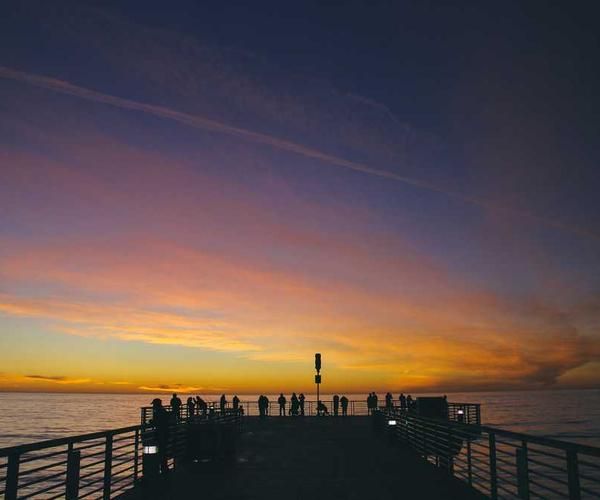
200, 122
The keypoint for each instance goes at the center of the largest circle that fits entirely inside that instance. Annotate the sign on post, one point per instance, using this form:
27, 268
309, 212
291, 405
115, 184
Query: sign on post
318, 376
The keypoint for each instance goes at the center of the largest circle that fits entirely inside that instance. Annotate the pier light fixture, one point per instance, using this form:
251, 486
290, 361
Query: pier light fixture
150, 450
392, 422
460, 412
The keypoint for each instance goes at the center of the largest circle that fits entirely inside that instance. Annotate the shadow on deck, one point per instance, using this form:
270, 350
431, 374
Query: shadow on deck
310, 458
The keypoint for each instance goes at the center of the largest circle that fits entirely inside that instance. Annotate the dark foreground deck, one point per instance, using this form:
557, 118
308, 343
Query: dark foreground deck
310, 458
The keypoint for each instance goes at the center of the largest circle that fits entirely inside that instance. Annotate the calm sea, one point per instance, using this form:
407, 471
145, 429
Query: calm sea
26, 417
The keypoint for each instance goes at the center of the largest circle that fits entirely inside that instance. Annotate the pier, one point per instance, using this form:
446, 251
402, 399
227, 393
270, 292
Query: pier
437, 449
312, 458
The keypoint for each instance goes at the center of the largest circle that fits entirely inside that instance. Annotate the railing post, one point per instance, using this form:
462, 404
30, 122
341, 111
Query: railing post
73, 462
12, 477
469, 464
424, 432
523, 471
108, 466
136, 457
573, 471
493, 471
450, 458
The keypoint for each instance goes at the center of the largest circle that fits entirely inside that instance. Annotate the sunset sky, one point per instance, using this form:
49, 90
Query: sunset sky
201, 195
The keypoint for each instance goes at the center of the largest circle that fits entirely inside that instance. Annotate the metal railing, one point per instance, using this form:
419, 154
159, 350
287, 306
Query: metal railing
501, 463
96, 465
469, 413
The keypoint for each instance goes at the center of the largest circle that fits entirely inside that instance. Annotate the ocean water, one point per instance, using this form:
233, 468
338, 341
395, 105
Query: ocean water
28, 417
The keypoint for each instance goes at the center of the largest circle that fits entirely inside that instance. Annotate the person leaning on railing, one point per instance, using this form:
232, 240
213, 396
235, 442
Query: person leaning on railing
191, 408
344, 403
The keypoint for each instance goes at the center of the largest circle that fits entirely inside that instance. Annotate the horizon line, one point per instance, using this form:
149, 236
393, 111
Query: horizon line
171, 391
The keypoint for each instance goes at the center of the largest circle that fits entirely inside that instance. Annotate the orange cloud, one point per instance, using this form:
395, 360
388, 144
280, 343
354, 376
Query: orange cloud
172, 388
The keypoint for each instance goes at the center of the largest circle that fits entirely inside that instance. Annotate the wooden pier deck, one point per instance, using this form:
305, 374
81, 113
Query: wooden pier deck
310, 458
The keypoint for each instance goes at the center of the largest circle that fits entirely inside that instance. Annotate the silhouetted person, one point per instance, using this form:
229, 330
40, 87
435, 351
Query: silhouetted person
372, 402
321, 409
281, 400
336, 405
236, 402
223, 403
176, 407
295, 402
202, 406
402, 399
344, 403
389, 405
160, 422
301, 399
191, 407
261, 405
409, 402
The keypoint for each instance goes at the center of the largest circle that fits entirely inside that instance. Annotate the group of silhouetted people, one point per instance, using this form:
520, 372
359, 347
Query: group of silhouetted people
404, 402
196, 406
162, 418
340, 402
297, 406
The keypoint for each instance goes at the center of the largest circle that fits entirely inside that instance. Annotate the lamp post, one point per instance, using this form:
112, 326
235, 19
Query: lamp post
318, 377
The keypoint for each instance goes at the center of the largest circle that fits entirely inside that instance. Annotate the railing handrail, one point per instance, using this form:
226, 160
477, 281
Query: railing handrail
380, 404
480, 455
531, 438
50, 443
30, 470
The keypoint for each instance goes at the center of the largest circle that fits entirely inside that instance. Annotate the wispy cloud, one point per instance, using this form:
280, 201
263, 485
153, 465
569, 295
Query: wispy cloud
57, 379
173, 388
203, 123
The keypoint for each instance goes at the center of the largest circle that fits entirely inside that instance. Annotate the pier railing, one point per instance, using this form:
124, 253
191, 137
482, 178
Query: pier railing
96, 465
468, 413
500, 463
